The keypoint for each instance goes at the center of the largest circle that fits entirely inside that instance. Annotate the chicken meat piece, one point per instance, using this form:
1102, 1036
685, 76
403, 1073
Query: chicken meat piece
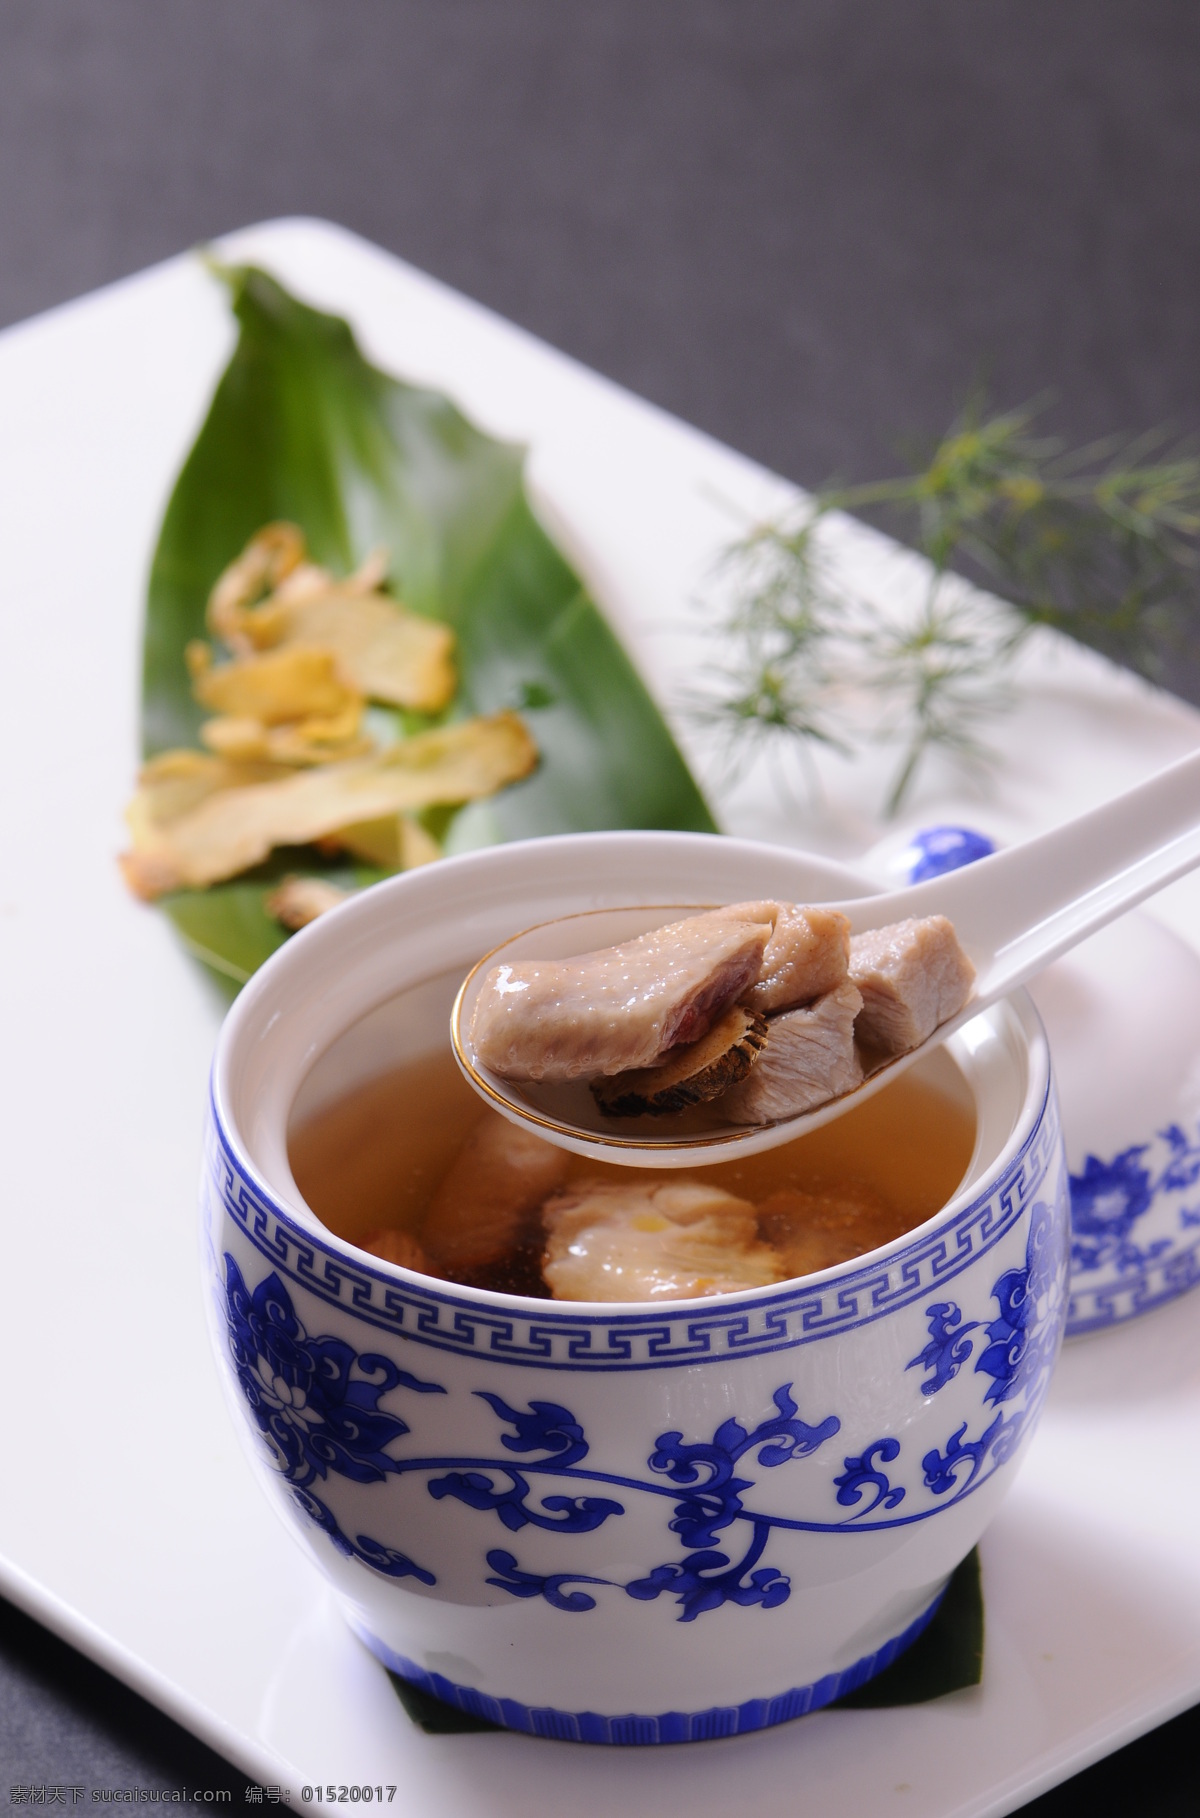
807, 955
913, 977
618, 1008
809, 1058
815, 1230
611, 1241
487, 1201
397, 1246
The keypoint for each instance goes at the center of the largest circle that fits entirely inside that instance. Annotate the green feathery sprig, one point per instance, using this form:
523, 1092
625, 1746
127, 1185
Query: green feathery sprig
1101, 542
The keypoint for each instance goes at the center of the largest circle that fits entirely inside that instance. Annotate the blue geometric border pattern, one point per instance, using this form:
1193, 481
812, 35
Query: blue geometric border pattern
1111, 1302
668, 1726
795, 1316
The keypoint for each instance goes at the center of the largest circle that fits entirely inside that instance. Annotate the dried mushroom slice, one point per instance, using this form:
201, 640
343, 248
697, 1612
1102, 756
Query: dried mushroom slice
175, 782
275, 686
268, 558
693, 1075
289, 706
397, 842
300, 900
382, 650
230, 829
385, 651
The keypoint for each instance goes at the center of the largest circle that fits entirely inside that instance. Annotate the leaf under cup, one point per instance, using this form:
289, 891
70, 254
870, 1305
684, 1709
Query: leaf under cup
946, 1657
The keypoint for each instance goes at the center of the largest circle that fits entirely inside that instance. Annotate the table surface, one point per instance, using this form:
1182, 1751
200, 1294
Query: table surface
806, 230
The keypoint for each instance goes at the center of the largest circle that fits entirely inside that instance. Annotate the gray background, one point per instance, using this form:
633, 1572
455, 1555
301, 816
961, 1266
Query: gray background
808, 227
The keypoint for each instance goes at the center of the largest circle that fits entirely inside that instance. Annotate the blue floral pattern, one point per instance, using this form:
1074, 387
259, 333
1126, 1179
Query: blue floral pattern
942, 1468
566, 1514
529, 1584
388, 1560
948, 1348
315, 1400
318, 1404
545, 1427
1110, 1197
712, 1501
1019, 1357
862, 1476
1023, 1341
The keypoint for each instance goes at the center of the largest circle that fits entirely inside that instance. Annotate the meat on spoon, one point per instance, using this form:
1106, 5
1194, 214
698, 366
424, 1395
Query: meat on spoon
806, 956
619, 1008
913, 976
809, 1057
762, 1009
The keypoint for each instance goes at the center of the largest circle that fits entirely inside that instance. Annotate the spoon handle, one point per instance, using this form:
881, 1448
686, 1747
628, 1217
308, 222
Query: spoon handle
1021, 908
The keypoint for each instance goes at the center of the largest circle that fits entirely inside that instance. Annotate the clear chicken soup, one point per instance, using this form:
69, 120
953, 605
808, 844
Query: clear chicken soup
387, 1165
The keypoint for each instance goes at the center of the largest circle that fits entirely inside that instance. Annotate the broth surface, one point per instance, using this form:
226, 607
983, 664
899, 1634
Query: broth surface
374, 1158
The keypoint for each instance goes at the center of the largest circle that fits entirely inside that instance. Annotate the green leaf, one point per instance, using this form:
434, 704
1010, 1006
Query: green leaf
226, 927
945, 1657
302, 427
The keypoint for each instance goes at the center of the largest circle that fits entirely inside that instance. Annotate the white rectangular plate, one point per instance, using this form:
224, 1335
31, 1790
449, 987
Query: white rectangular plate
131, 1524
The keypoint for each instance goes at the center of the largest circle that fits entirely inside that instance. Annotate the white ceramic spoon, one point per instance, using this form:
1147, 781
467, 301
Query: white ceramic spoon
1013, 913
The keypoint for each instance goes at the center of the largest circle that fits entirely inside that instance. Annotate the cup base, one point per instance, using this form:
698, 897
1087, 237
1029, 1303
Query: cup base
636, 1730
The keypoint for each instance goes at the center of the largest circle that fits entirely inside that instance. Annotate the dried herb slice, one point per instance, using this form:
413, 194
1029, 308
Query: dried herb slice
692, 1075
303, 429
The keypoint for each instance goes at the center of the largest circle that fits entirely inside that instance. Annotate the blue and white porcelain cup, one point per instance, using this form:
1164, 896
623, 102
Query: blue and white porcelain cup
619, 1524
